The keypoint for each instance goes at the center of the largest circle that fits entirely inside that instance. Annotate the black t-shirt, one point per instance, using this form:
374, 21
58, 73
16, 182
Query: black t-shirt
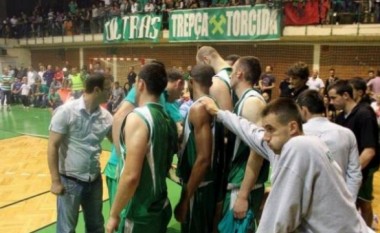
131, 78
285, 89
362, 121
295, 93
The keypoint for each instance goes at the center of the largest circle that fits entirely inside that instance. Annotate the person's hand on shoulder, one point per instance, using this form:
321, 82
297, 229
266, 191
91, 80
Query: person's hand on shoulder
210, 105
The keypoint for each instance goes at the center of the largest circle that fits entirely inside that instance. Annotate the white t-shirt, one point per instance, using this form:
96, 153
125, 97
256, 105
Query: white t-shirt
315, 84
25, 89
32, 76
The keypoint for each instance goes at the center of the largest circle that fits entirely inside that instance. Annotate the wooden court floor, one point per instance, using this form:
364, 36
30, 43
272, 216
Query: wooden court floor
25, 201
26, 204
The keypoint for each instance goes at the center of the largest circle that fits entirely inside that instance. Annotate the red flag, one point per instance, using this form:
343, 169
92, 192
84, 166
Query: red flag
302, 13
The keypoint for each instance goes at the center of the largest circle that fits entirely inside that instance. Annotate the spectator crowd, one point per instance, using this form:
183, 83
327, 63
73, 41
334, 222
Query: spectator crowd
75, 18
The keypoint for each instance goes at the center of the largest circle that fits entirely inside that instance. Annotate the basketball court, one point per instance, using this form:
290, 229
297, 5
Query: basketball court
26, 205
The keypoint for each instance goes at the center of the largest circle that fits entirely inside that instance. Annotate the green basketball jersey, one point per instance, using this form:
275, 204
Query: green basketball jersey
224, 75
239, 151
188, 153
150, 197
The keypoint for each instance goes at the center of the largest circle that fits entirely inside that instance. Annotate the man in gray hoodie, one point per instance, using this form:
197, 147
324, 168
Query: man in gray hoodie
308, 192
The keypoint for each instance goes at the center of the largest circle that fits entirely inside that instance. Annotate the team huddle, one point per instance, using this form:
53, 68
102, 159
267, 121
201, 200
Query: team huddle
229, 144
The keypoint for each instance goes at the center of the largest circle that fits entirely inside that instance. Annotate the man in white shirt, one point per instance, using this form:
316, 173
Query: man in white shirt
340, 140
149, 7
315, 82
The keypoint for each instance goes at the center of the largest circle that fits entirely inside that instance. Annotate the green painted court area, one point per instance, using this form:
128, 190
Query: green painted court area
35, 122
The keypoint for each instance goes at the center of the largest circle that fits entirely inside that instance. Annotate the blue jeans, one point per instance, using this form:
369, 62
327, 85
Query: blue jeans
88, 195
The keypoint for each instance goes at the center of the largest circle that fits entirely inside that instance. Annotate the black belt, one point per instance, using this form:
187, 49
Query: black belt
78, 180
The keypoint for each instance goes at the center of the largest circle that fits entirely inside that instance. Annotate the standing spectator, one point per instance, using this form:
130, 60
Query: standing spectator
179, 4
298, 74
361, 119
285, 88
345, 153
330, 112
66, 81
376, 107
24, 25
359, 88
6, 82
330, 80
98, 68
84, 73
131, 77
101, 16
126, 88
76, 130
125, 7
76, 83
58, 74
32, 77
68, 26
25, 92
377, 10
39, 24
14, 27
51, 22
41, 73
135, 8
49, 75
371, 75
114, 10
107, 3
316, 83
59, 22
116, 97
186, 74
374, 84
108, 73
149, 7
94, 19
186, 77
73, 7
84, 20
267, 81
16, 89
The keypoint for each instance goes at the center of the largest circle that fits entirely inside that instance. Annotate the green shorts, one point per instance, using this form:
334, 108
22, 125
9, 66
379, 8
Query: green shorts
366, 189
157, 223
